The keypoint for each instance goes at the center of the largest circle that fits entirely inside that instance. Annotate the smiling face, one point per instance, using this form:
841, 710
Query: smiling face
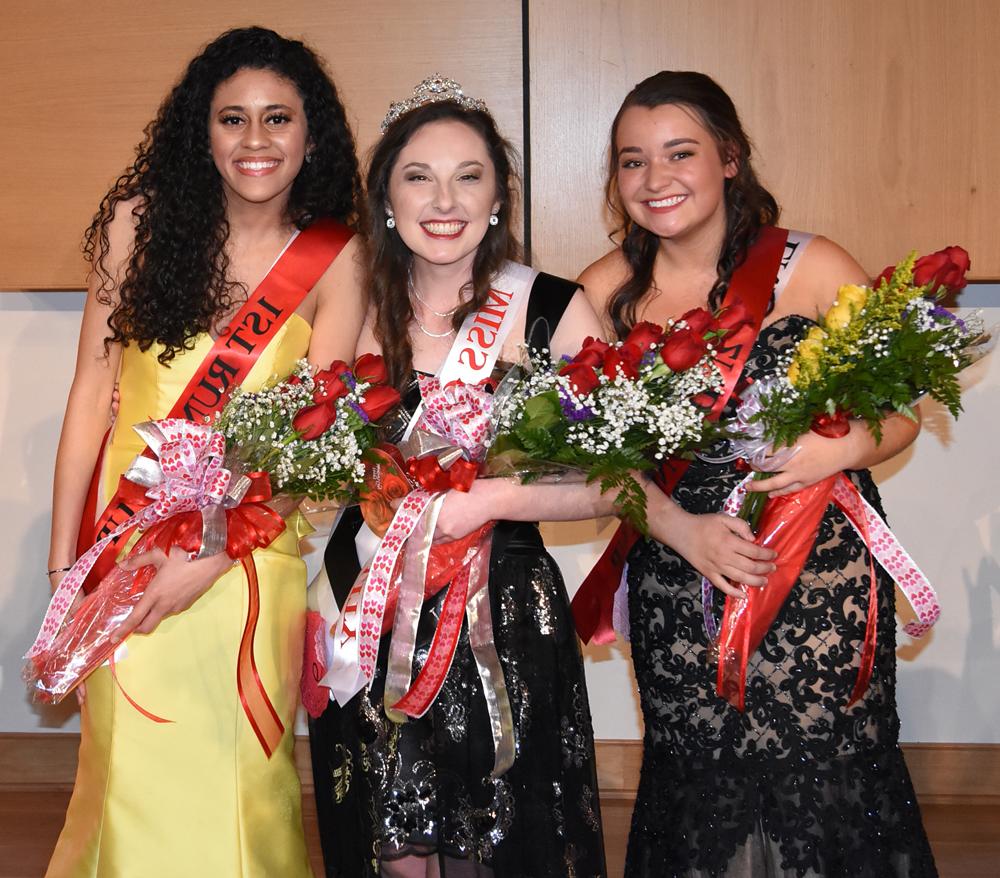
442, 190
671, 176
258, 134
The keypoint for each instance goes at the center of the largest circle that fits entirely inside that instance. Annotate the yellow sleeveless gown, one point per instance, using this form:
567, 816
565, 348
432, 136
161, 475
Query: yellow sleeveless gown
198, 796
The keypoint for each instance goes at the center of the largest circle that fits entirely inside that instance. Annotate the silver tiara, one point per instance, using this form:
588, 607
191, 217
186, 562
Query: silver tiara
433, 90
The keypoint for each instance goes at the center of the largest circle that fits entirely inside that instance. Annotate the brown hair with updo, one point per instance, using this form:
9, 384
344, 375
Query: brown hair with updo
749, 206
390, 260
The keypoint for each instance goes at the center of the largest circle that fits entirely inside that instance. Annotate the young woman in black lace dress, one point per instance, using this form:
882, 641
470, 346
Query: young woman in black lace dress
800, 784
418, 799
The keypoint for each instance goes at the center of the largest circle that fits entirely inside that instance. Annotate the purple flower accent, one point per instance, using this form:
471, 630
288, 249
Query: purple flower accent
650, 357
361, 412
938, 311
573, 409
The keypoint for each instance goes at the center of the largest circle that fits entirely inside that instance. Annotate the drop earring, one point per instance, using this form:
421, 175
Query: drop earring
494, 219
390, 222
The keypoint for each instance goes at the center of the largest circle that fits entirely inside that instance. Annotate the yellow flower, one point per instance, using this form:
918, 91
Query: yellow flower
850, 300
817, 333
854, 295
809, 350
794, 373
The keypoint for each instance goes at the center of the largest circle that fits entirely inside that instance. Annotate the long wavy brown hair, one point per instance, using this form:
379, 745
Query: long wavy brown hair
390, 260
749, 206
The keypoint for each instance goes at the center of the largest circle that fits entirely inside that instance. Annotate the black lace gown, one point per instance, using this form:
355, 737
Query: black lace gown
386, 791
800, 784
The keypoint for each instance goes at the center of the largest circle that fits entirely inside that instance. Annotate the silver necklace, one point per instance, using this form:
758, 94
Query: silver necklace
420, 299
430, 334
413, 292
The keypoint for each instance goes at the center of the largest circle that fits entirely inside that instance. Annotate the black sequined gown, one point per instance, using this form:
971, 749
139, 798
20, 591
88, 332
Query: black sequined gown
385, 791
800, 784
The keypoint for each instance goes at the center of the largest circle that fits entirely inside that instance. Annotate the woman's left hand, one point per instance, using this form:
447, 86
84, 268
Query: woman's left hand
178, 583
815, 457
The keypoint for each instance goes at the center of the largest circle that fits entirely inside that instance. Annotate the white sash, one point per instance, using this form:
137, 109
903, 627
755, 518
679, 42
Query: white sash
794, 248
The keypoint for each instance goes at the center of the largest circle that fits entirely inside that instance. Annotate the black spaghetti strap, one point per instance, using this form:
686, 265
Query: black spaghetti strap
547, 302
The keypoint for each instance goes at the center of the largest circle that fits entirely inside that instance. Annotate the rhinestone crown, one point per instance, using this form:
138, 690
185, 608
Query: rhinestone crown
433, 90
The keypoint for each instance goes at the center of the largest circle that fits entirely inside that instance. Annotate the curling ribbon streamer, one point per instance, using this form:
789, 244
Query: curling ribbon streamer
195, 503
789, 525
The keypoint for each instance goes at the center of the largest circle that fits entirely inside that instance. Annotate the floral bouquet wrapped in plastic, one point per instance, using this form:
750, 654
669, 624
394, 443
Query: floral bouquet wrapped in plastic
211, 488
876, 351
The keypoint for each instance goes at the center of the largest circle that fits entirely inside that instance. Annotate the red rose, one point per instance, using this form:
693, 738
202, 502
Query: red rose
734, 317
378, 400
329, 387
884, 276
699, 321
946, 268
371, 369
314, 420
582, 378
645, 336
625, 359
592, 353
703, 400
293, 380
683, 349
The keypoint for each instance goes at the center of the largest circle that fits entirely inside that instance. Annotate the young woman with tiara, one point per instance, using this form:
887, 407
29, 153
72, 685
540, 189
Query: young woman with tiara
421, 798
220, 257
801, 783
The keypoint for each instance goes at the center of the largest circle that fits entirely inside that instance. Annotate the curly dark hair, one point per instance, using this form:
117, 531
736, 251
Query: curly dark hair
176, 280
749, 206
389, 259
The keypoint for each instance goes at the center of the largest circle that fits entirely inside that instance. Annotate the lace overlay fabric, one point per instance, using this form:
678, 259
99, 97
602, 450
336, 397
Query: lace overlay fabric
800, 784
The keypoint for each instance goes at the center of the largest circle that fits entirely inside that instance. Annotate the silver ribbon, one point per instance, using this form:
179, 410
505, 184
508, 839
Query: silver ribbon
480, 618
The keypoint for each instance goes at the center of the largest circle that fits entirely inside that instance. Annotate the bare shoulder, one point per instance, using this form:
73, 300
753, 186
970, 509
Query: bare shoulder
340, 306
120, 229
114, 247
601, 278
823, 268
346, 271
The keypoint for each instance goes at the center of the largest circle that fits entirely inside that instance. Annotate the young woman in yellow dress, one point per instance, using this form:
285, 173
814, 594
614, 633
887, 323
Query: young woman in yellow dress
249, 161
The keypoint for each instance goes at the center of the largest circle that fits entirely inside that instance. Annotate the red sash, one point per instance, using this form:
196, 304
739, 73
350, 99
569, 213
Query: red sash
752, 283
225, 366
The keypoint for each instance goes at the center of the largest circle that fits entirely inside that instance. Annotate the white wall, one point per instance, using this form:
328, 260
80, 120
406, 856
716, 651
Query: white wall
942, 497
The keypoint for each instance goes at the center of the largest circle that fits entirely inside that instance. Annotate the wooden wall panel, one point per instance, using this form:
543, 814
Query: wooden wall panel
876, 123
81, 80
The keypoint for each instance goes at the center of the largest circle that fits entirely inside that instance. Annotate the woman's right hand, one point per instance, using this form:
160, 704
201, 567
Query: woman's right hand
720, 547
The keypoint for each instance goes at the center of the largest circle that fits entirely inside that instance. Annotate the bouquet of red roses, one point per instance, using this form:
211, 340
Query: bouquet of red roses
211, 488
613, 409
